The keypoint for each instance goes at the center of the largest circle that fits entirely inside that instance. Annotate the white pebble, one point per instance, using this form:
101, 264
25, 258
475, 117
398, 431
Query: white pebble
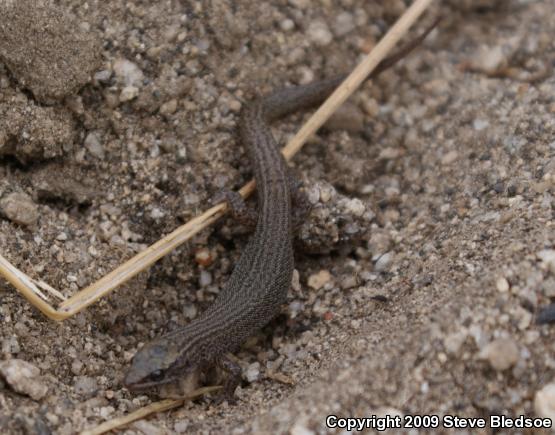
449, 158
128, 73
147, 428
489, 59
319, 33
502, 285
205, 278
355, 207
544, 402
547, 256
128, 93
156, 213
24, 378
480, 124
287, 25
299, 428
300, 4
327, 192
502, 353
253, 372
318, 280
383, 262
344, 23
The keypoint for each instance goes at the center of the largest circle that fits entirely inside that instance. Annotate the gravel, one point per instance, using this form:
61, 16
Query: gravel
429, 240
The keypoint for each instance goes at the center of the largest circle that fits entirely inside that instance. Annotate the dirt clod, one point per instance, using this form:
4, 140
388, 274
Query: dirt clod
47, 51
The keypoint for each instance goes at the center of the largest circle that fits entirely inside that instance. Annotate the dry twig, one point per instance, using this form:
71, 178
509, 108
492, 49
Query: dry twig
145, 411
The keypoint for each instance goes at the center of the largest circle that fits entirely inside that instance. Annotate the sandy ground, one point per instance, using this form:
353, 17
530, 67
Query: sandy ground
431, 234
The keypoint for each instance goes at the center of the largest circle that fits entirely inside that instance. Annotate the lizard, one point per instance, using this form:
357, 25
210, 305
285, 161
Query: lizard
261, 278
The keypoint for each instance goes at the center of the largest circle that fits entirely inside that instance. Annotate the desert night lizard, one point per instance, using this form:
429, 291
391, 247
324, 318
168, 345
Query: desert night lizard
260, 280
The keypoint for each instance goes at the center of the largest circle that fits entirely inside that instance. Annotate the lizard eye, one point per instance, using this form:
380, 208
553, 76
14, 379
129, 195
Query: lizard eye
157, 375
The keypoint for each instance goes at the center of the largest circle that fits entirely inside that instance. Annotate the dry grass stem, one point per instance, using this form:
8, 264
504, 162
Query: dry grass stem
145, 411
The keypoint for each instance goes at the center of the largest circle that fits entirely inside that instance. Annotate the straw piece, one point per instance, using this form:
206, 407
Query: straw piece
141, 413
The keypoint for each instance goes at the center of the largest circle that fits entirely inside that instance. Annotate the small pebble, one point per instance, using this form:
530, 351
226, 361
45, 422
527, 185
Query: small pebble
147, 428
344, 23
502, 285
10, 345
204, 257
502, 353
327, 192
181, 426
93, 145
489, 59
371, 107
546, 315
548, 287
106, 411
157, 214
390, 153
127, 72
544, 402
547, 256
394, 8
318, 280
24, 378
499, 187
235, 106
349, 281
287, 25
453, 342
19, 208
205, 278
299, 428
85, 386
383, 262
168, 108
480, 124
449, 158
355, 207
300, 4
103, 76
77, 366
295, 308
385, 411
252, 374
128, 93
319, 33
348, 117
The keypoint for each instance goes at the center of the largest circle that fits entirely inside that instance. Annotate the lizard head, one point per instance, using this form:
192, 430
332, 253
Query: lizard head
158, 362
